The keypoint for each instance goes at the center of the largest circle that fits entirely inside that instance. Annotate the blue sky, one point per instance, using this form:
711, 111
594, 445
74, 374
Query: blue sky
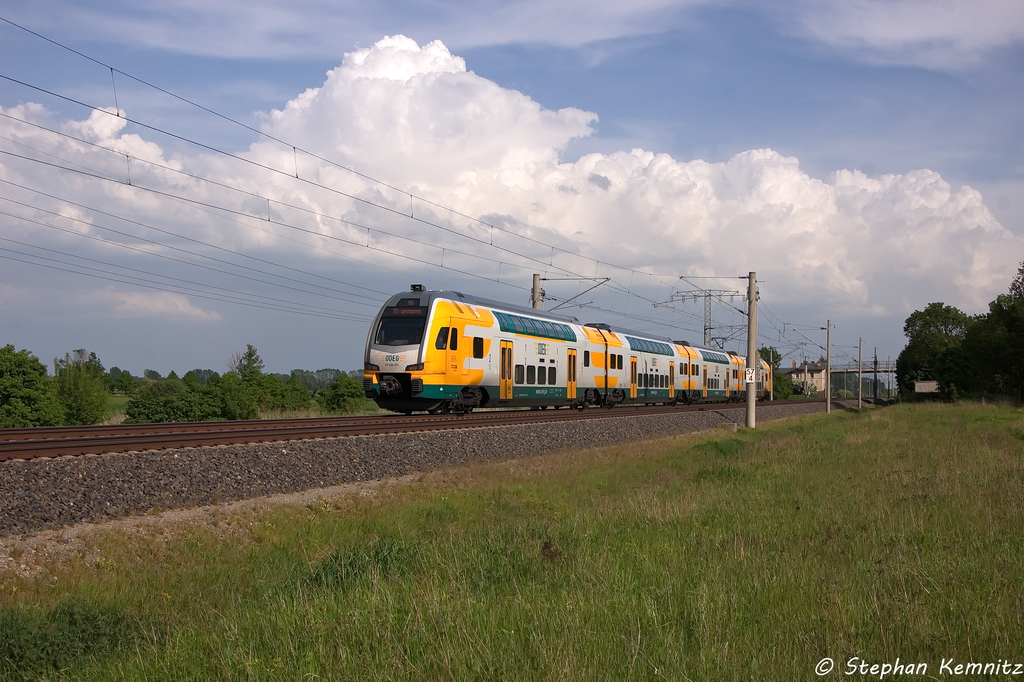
926, 94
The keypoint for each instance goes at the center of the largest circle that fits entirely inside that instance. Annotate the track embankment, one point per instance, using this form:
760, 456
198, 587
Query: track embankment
47, 493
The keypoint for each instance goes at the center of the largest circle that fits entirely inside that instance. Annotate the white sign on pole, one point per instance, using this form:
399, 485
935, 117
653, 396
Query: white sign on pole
750, 375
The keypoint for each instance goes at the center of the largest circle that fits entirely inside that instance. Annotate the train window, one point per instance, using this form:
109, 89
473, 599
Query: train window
542, 375
520, 370
441, 342
552, 376
453, 343
664, 381
478, 347
620, 362
695, 370
586, 358
401, 331
531, 374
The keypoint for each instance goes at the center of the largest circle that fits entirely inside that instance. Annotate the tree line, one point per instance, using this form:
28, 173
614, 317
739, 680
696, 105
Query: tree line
968, 355
80, 391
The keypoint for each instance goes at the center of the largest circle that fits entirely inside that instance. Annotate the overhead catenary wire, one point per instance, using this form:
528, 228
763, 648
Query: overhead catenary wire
490, 227
548, 262
290, 306
389, 209
158, 255
202, 295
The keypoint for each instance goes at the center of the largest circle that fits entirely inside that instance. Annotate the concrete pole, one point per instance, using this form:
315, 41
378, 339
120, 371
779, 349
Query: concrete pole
805, 378
874, 385
752, 364
890, 379
828, 367
707, 319
535, 292
860, 370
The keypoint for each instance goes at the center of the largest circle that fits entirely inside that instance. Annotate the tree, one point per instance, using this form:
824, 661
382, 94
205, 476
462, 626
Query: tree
991, 351
325, 377
125, 383
934, 338
28, 396
81, 387
770, 355
246, 363
782, 385
1017, 285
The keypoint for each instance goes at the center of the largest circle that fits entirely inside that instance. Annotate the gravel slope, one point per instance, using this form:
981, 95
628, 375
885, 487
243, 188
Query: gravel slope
52, 493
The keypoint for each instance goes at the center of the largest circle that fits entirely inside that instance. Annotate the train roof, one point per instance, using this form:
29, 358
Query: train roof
428, 297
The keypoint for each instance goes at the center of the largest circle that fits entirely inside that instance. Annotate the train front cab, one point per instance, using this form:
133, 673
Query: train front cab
427, 352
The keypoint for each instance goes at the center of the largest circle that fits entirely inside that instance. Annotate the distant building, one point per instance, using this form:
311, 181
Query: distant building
807, 373
926, 387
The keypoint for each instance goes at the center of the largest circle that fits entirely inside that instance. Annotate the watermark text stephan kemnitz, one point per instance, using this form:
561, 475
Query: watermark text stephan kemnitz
947, 667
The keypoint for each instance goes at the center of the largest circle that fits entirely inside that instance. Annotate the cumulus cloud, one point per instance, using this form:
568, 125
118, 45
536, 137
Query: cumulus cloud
413, 114
867, 244
416, 117
138, 304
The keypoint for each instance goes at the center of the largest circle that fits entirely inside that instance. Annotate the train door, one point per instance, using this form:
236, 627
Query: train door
570, 375
671, 379
453, 375
705, 381
728, 381
632, 377
505, 376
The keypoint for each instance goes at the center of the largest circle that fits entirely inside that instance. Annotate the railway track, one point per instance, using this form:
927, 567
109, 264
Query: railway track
32, 443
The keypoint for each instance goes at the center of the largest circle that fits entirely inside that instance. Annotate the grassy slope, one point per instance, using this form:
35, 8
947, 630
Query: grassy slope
897, 533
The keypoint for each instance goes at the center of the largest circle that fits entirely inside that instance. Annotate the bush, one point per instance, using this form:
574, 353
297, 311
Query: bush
782, 386
177, 400
344, 395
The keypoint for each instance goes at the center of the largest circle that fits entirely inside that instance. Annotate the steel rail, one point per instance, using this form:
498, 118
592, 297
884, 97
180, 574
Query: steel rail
39, 442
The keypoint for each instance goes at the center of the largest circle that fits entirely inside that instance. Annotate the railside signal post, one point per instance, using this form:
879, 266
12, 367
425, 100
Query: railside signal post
752, 364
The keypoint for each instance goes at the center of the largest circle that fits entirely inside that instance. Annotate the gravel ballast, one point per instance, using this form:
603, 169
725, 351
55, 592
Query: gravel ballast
51, 493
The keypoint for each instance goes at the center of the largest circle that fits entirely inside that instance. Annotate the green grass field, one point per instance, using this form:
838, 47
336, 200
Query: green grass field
897, 533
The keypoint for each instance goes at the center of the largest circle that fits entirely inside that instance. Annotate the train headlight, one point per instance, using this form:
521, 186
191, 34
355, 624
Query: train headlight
370, 367
418, 367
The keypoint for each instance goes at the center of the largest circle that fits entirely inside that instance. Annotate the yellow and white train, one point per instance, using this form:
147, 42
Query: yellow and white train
442, 351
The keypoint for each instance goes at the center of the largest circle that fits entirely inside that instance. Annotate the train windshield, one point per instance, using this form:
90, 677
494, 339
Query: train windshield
401, 326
